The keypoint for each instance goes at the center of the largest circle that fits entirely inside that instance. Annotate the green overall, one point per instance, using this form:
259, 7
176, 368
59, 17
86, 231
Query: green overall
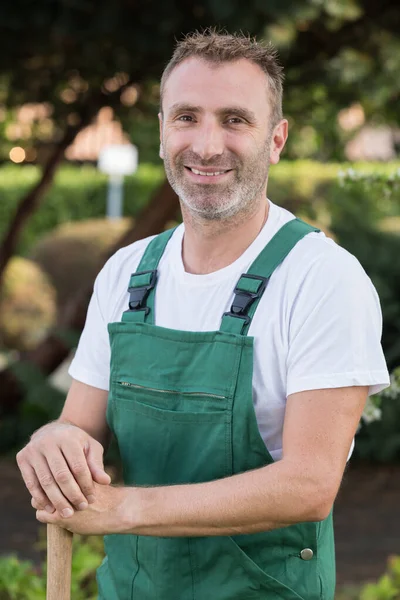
181, 409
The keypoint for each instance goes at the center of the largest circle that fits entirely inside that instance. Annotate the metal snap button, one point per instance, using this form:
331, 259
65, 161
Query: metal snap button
307, 554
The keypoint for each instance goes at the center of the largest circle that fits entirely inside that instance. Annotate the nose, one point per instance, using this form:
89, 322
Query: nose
208, 140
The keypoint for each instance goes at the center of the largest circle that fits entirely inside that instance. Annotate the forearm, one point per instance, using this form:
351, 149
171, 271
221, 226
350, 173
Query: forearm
103, 436
268, 498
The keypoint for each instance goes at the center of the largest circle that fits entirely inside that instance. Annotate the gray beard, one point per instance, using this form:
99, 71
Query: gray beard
237, 197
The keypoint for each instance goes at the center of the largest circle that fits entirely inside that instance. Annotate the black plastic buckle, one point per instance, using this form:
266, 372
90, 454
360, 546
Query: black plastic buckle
243, 299
245, 318
138, 295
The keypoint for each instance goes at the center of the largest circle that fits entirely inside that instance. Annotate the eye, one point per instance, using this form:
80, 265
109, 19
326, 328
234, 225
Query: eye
235, 120
185, 118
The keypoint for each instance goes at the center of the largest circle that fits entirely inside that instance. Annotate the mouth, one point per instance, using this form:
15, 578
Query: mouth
207, 176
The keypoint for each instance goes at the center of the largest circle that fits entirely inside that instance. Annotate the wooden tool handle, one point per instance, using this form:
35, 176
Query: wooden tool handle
59, 559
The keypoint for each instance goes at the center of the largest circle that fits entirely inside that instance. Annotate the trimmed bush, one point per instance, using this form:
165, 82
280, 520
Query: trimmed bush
27, 305
71, 254
78, 193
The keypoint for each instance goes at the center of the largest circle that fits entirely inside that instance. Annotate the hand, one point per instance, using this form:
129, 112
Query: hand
59, 467
108, 514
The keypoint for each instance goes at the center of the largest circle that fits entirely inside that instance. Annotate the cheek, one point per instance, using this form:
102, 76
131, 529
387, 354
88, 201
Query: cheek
242, 144
176, 142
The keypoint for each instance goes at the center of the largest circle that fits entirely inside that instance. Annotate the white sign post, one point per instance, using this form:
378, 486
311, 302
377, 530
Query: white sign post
117, 161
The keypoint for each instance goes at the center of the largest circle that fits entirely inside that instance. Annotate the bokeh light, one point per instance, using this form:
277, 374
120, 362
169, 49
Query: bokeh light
17, 154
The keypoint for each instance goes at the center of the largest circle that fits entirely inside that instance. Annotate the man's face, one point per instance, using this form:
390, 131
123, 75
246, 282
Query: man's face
216, 136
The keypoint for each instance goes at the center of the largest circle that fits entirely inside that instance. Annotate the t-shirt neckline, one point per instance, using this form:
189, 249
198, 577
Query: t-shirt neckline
243, 262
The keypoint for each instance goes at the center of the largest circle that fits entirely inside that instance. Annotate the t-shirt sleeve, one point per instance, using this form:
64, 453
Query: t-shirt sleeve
335, 329
91, 363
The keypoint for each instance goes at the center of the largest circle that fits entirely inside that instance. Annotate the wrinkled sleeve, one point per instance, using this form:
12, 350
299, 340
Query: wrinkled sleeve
335, 328
91, 363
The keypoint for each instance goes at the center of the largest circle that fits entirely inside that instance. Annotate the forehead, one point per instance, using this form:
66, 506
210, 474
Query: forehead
210, 85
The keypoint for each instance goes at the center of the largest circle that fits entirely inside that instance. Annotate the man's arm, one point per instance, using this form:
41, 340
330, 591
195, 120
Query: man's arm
318, 430
65, 457
85, 407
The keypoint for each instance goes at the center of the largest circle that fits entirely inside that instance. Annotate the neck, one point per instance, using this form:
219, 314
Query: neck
212, 245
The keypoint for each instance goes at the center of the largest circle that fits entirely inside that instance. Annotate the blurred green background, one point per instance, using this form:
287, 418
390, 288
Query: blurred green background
77, 77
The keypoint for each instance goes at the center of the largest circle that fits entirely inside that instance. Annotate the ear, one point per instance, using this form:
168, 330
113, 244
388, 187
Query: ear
161, 123
278, 140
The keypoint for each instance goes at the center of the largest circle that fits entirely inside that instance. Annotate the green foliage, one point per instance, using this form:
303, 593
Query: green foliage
86, 558
27, 305
77, 194
77, 56
335, 52
364, 210
363, 215
21, 580
379, 440
42, 402
80, 248
302, 185
388, 586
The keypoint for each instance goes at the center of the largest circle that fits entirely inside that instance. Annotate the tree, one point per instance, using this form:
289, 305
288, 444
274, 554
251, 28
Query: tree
78, 57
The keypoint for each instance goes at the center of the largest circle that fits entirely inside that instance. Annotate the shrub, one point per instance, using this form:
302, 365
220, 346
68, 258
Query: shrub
363, 213
388, 586
378, 439
71, 254
21, 580
78, 193
27, 305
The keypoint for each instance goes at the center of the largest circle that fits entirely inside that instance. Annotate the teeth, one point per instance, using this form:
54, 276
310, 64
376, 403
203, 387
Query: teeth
196, 172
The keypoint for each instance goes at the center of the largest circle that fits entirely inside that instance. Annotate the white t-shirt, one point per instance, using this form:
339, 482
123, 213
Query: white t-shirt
318, 324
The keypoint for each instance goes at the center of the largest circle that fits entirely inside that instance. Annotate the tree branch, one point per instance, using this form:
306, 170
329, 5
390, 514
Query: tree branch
29, 203
50, 353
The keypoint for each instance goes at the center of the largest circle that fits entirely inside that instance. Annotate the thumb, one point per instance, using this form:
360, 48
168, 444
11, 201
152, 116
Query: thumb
94, 458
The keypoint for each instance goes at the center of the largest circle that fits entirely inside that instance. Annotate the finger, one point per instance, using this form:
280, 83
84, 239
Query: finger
48, 508
66, 483
50, 486
32, 483
40, 516
94, 457
44, 517
76, 459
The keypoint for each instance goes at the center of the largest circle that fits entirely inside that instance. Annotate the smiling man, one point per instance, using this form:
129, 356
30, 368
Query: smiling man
231, 357
234, 138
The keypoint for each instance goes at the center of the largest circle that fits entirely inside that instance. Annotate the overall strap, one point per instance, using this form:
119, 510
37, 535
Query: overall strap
251, 285
142, 283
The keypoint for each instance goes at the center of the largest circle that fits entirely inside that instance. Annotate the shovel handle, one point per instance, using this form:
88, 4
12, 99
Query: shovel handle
59, 561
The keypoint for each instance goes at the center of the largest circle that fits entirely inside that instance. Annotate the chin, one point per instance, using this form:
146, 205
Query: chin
211, 212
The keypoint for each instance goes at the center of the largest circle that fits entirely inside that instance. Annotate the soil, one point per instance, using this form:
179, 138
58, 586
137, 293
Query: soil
366, 514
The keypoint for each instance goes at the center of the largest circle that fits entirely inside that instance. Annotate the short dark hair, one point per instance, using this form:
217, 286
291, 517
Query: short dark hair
218, 47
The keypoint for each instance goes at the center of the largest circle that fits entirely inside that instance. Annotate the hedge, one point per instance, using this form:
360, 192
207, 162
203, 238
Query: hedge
79, 193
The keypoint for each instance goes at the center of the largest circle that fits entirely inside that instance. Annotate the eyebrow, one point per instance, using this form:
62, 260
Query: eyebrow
246, 114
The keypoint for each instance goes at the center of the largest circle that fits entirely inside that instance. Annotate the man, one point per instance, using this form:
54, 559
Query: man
241, 359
